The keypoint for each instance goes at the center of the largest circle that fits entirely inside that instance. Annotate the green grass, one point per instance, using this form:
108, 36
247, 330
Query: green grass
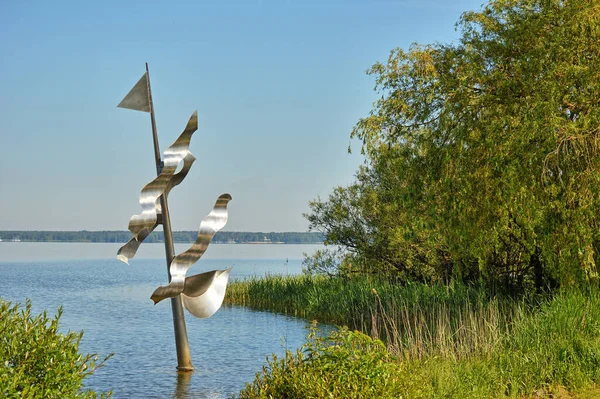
437, 342
414, 320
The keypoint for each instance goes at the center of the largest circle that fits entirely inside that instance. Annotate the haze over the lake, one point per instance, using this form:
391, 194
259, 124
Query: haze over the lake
278, 87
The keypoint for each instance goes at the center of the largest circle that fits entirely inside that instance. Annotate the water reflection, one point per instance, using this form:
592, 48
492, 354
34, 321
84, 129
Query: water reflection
182, 389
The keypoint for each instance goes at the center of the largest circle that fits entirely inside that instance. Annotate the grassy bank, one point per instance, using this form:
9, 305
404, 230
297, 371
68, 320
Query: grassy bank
440, 342
414, 320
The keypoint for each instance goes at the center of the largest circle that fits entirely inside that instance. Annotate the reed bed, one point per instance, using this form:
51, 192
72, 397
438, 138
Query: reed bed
442, 341
414, 320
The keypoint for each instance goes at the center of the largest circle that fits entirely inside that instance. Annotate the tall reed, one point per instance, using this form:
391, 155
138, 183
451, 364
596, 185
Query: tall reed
414, 320
443, 342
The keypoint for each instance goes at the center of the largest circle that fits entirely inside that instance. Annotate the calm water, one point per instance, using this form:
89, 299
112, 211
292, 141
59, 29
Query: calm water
110, 301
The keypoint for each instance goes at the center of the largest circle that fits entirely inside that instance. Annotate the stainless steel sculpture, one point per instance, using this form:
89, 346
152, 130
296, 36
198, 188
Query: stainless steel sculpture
128, 250
212, 223
143, 224
202, 294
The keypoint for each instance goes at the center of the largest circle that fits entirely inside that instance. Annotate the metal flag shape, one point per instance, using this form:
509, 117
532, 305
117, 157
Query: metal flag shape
137, 99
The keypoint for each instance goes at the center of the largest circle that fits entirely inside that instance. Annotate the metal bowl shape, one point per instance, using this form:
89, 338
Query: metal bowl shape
204, 293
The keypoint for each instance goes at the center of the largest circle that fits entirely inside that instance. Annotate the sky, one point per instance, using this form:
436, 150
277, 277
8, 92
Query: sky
278, 86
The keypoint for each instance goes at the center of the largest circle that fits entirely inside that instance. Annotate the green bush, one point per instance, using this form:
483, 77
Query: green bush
344, 364
37, 361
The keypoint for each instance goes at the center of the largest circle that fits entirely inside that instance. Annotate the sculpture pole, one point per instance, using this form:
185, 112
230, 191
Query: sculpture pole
184, 360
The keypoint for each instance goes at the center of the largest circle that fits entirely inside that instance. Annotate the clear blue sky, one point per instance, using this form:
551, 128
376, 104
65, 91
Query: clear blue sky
278, 86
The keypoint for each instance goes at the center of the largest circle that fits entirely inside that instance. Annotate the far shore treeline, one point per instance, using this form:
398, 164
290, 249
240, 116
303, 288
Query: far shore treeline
223, 237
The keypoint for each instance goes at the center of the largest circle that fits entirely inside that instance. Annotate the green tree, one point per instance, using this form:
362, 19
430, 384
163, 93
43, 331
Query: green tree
482, 157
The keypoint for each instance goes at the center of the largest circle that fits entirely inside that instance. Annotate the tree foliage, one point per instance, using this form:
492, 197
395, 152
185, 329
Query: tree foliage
482, 157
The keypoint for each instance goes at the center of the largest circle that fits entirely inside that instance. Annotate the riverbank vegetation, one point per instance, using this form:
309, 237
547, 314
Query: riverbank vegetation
372, 305
38, 361
481, 157
422, 341
469, 241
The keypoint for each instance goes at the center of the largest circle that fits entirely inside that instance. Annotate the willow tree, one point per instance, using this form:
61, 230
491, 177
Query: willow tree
483, 157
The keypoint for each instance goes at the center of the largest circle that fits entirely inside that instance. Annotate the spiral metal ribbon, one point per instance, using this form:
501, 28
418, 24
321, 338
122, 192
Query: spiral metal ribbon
138, 224
143, 224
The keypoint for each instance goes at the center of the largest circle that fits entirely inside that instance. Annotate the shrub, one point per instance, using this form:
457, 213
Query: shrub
37, 361
345, 364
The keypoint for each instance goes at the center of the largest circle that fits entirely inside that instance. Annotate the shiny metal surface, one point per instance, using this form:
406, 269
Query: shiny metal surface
178, 177
213, 222
154, 202
137, 98
129, 250
141, 225
204, 293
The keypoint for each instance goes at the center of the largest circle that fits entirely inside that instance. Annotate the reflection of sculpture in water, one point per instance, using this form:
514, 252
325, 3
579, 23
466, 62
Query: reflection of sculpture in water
182, 389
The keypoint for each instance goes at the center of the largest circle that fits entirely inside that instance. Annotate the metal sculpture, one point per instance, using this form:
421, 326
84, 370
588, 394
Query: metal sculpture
212, 223
201, 294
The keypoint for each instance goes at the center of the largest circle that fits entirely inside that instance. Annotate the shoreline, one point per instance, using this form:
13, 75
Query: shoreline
162, 242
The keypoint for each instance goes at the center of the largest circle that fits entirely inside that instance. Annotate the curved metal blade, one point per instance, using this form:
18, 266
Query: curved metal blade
178, 177
153, 190
204, 293
213, 222
129, 250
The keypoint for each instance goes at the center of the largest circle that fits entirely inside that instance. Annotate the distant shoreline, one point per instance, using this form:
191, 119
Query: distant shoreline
160, 242
117, 236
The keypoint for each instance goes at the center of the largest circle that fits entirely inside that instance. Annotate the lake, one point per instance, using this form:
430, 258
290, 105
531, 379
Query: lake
110, 302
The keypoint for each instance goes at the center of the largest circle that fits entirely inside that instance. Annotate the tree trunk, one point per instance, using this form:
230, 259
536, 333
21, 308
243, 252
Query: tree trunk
538, 273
